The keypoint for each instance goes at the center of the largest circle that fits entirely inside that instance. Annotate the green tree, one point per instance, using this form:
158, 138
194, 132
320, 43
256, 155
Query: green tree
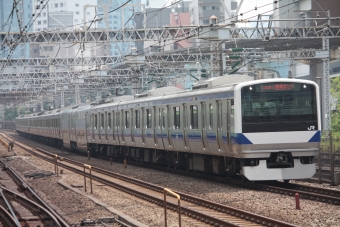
335, 92
11, 113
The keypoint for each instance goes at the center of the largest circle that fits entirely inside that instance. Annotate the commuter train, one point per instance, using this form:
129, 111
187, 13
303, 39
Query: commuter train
265, 129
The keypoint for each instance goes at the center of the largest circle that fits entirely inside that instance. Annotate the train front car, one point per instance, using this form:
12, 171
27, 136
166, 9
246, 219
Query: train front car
277, 128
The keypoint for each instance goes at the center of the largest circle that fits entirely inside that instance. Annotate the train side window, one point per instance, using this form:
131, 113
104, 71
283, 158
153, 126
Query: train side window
108, 120
232, 107
137, 116
211, 114
177, 116
102, 121
127, 119
117, 119
95, 121
193, 117
219, 116
160, 111
148, 118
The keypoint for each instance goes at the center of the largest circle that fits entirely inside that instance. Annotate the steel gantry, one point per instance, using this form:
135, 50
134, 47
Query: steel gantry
210, 32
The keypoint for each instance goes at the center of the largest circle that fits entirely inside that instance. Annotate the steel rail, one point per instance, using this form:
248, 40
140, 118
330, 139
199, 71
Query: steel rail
24, 201
55, 216
7, 218
10, 208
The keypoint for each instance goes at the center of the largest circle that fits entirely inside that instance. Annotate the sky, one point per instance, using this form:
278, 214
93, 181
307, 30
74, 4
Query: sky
247, 6
250, 5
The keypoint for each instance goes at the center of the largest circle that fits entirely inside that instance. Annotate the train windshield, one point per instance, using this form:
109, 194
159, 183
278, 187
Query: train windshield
277, 107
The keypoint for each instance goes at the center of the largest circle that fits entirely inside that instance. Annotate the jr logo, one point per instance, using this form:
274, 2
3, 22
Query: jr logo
310, 128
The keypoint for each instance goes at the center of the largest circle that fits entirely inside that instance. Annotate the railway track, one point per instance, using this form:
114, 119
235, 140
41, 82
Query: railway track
25, 211
306, 192
206, 212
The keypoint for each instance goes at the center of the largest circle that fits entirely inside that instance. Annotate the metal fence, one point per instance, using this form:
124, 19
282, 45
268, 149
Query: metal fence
7, 125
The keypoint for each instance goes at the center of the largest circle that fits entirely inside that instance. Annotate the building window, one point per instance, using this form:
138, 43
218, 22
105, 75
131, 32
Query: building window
205, 21
44, 14
44, 21
56, 5
87, 13
114, 28
39, 22
115, 22
39, 15
77, 5
206, 7
215, 7
75, 20
77, 12
61, 4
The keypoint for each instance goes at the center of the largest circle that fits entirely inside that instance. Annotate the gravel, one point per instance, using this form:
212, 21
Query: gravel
272, 205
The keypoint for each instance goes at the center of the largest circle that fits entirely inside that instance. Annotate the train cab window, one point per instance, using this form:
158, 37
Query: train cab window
193, 117
137, 116
108, 120
102, 121
127, 119
211, 115
148, 118
177, 117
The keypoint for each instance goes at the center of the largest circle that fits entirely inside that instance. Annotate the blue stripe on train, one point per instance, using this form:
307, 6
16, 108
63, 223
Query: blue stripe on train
316, 137
241, 139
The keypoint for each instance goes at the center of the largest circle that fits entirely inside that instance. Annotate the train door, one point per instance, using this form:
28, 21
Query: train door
166, 121
220, 126
74, 128
101, 130
160, 129
185, 127
69, 127
122, 126
143, 125
204, 115
107, 125
176, 132
137, 127
212, 125
153, 125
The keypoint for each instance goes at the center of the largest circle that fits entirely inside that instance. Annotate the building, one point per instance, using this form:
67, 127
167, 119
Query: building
119, 19
12, 24
291, 9
155, 3
66, 15
62, 14
202, 10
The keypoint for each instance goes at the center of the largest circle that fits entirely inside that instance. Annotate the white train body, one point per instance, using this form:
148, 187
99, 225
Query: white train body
262, 129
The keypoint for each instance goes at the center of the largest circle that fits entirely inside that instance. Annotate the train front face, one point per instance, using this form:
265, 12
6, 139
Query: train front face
278, 129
